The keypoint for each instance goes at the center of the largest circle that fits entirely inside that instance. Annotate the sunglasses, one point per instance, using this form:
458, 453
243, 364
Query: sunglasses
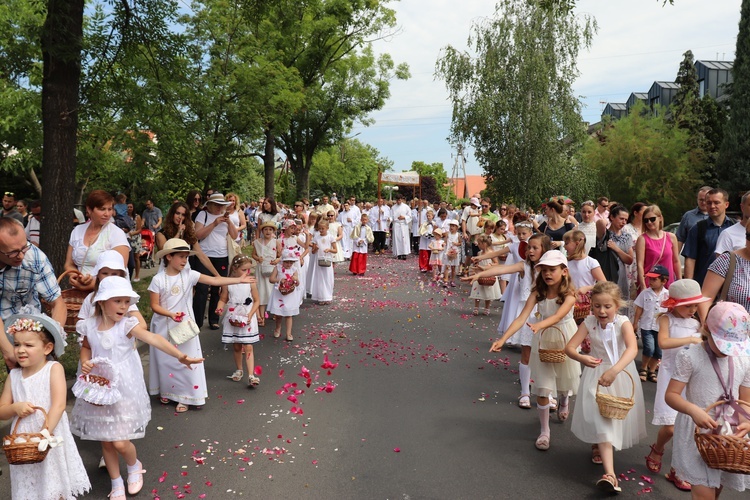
10, 193
485, 206
296, 205
649, 219
503, 209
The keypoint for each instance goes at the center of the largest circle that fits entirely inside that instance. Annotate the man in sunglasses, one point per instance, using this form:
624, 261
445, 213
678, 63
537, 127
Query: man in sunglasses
26, 278
9, 207
700, 246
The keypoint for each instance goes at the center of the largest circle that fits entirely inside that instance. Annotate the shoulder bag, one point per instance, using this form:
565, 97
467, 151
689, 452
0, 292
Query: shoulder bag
185, 329
606, 259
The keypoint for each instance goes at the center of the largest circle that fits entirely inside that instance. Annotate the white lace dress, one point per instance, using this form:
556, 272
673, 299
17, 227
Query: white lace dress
679, 328
516, 293
126, 419
483, 292
694, 367
333, 229
267, 251
321, 287
285, 305
238, 296
61, 474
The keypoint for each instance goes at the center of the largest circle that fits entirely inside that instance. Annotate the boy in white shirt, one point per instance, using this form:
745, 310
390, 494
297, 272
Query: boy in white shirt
647, 308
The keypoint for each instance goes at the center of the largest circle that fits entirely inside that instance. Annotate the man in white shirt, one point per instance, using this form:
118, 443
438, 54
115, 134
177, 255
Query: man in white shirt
379, 217
348, 220
401, 217
324, 206
734, 237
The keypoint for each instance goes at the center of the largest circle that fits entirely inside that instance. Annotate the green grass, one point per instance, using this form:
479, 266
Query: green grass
69, 359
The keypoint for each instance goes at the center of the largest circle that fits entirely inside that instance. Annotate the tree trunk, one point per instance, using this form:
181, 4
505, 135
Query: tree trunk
269, 163
302, 176
62, 38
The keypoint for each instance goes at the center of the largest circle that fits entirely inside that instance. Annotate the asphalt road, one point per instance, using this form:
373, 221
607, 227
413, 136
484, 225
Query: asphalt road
415, 408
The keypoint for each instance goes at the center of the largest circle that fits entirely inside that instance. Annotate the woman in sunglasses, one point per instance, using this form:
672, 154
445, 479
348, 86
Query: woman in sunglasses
656, 247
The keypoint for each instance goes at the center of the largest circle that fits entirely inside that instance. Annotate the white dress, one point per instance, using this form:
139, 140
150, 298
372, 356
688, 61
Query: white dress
587, 424
451, 239
333, 229
302, 274
694, 367
310, 272
551, 378
321, 287
679, 328
239, 294
482, 292
267, 251
285, 305
126, 419
516, 293
167, 377
61, 474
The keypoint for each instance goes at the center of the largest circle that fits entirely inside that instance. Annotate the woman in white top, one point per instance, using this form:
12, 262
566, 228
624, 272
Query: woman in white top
211, 228
97, 235
237, 216
587, 225
267, 212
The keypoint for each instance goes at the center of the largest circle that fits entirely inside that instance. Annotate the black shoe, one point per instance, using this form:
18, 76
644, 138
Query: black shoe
214, 326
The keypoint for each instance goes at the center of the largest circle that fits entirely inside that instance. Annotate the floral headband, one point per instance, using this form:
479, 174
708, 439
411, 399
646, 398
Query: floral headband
25, 325
527, 225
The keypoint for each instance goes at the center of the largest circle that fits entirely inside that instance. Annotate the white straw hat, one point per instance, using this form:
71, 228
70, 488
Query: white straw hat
217, 198
111, 259
174, 245
115, 286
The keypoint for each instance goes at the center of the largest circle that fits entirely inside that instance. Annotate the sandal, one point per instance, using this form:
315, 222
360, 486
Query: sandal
652, 377
276, 334
542, 442
253, 381
524, 401
678, 483
180, 408
608, 484
642, 374
487, 311
117, 493
236, 376
475, 312
289, 338
596, 456
164, 401
135, 481
651, 464
563, 410
552, 404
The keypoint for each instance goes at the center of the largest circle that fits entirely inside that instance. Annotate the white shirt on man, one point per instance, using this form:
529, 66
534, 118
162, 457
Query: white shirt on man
731, 239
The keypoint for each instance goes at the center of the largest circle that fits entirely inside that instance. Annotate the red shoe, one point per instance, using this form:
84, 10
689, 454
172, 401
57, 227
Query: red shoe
678, 483
651, 464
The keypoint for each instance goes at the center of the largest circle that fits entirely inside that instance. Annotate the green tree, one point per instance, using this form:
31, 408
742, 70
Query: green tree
438, 173
513, 98
733, 163
348, 168
643, 158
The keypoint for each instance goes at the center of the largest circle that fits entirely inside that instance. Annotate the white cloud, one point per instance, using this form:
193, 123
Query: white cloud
639, 41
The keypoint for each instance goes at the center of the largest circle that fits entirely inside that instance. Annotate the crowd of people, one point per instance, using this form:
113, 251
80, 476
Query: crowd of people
586, 284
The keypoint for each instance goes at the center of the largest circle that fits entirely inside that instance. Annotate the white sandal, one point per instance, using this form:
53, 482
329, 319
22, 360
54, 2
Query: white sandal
524, 401
236, 376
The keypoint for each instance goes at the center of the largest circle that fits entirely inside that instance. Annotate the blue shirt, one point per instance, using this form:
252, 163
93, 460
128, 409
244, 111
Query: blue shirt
689, 219
26, 284
703, 251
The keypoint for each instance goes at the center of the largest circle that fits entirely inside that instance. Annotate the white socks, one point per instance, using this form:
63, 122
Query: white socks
543, 418
135, 467
118, 483
524, 372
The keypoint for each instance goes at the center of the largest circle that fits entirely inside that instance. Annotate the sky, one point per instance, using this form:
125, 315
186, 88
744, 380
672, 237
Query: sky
638, 42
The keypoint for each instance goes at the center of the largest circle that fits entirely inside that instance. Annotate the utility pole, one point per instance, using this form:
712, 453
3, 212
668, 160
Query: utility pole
459, 169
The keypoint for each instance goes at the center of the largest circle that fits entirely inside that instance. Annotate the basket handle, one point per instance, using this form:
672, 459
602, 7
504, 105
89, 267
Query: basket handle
38, 408
552, 327
718, 403
69, 271
632, 384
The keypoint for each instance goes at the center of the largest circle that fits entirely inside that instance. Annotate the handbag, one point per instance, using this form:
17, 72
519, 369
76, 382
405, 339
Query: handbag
266, 270
606, 259
184, 331
233, 248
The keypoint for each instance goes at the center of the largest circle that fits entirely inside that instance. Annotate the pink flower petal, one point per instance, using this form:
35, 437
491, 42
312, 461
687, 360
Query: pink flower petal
397, 450
258, 370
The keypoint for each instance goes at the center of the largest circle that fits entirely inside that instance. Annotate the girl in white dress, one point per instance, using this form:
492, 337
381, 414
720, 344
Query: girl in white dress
482, 292
437, 249
728, 347
452, 259
553, 293
519, 290
285, 306
613, 350
309, 270
171, 294
337, 230
323, 250
111, 334
678, 330
265, 253
240, 326
40, 381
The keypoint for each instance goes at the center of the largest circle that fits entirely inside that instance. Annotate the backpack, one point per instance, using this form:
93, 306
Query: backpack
606, 258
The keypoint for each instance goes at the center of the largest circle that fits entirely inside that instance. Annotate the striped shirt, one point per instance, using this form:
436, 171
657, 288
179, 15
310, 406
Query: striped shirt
33, 280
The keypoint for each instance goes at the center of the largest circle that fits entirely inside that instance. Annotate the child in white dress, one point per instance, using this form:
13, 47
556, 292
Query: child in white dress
678, 330
727, 349
240, 326
111, 334
337, 230
553, 295
613, 350
323, 250
39, 381
285, 306
452, 259
437, 247
266, 254
171, 293
483, 292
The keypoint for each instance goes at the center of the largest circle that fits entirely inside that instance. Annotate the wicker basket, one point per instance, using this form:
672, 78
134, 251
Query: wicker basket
551, 355
287, 286
28, 452
727, 453
99, 387
73, 298
237, 323
487, 281
615, 407
582, 308
324, 262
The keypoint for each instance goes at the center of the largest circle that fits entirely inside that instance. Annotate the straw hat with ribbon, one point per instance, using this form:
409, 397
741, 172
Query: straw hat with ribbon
683, 293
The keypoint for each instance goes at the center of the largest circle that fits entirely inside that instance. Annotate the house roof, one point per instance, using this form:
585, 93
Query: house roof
640, 95
666, 85
617, 106
476, 184
717, 64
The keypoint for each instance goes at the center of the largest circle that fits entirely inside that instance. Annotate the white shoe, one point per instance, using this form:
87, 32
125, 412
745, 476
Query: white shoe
136, 280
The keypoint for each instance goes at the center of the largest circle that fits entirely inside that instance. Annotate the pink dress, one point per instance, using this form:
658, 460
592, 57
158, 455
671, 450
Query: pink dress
653, 249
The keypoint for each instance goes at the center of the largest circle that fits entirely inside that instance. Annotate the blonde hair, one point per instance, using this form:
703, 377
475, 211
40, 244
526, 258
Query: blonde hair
580, 239
654, 209
237, 262
485, 239
611, 289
